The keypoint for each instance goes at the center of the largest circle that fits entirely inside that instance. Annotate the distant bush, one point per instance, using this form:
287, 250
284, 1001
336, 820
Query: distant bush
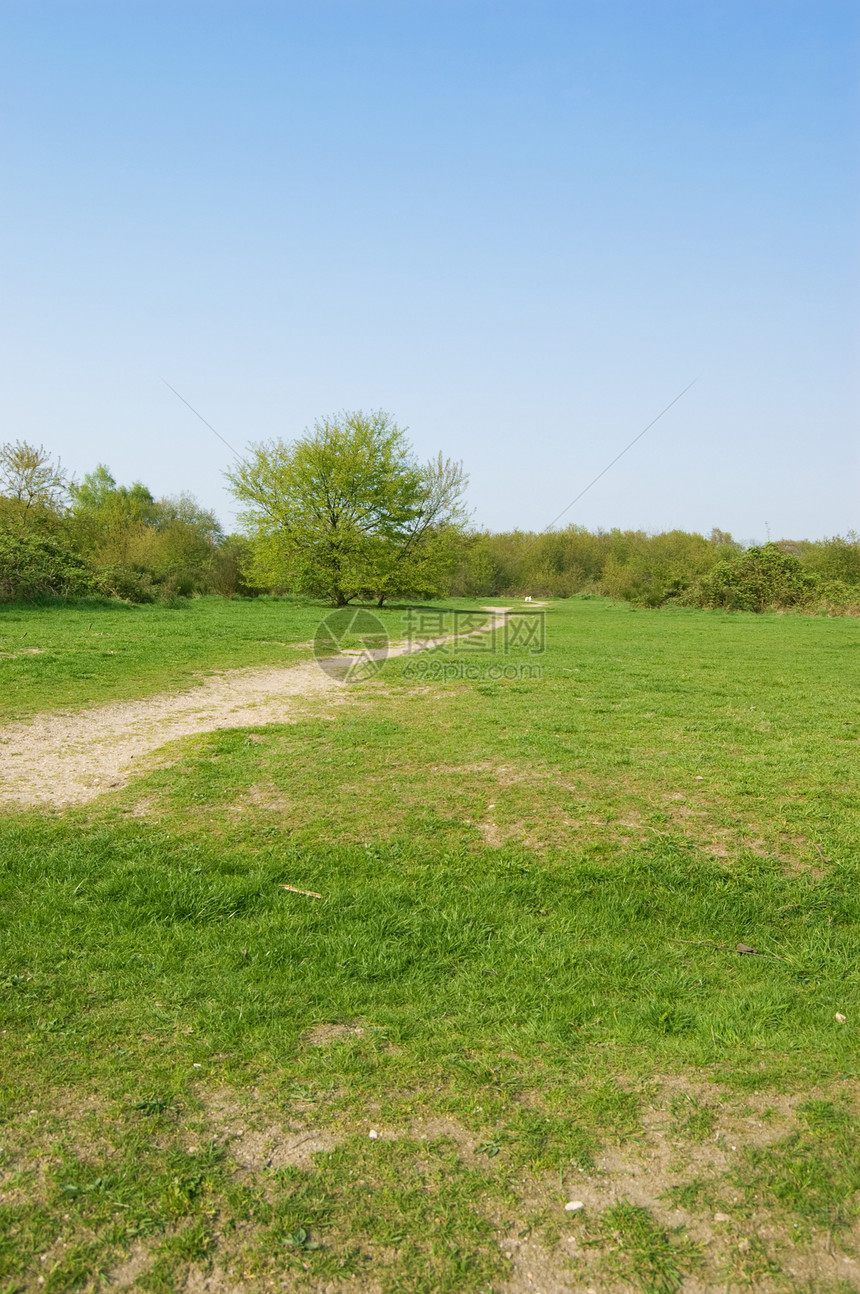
672, 568
652, 570
760, 579
127, 583
229, 572
143, 547
833, 559
646, 569
33, 564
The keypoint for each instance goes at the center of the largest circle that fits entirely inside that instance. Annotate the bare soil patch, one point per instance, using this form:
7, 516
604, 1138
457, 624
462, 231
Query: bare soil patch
548, 1249
66, 759
321, 1035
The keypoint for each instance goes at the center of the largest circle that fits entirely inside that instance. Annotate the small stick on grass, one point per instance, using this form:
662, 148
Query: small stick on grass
309, 894
743, 949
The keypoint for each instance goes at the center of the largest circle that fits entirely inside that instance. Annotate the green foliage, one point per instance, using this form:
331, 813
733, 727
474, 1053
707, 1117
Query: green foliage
662, 569
143, 546
229, 571
653, 570
649, 570
104, 507
34, 564
834, 560
29, 475
345, 511
758, 580
420, 560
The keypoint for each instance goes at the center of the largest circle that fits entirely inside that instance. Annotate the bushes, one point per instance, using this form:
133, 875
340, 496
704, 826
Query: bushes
34, 564
646, 569
65, 539
652, 570
834, 559
142, 546
674, 567
229, 573
768, 578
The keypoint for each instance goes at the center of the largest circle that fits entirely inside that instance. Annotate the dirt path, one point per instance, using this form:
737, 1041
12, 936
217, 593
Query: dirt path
64, 759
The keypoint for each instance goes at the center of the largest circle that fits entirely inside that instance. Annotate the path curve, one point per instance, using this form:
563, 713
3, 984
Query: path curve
64, 759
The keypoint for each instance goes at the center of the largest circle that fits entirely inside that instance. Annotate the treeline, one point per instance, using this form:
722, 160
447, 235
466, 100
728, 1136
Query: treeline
64, 538
99, 538
673, 568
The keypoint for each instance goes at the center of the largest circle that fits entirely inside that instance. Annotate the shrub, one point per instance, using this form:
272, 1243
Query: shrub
836, 559
757, 580
33, 564
651, 570
126, 582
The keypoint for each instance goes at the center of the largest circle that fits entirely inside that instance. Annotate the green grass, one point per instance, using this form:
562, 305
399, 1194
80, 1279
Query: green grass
637, 1249
533, 891
70, 656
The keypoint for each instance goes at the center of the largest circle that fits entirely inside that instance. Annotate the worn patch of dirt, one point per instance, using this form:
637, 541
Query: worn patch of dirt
547, 1249
278, 1146
796, 853
491, 834
321, 1035
268, 798
64, 759
538, 1270
127, 1273
258, 1143
739, 1247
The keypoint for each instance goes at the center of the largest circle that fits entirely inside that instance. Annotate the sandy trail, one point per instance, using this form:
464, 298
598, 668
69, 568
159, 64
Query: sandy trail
64, 759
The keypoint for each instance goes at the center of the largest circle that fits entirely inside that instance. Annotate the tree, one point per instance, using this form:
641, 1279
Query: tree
834, 559
109, 520
346, 512
30, 477
420, 558
99, 496
137, 540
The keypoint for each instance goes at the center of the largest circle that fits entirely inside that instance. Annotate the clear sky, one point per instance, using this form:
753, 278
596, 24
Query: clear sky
520, 227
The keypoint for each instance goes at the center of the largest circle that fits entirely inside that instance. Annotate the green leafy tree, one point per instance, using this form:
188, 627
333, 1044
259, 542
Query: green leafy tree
346, 512
651, 570
110, 520
34, 487
421, 556
139, 541
833, 559
182, 544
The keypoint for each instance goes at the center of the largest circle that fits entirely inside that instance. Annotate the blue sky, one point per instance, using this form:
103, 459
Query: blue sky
521, 228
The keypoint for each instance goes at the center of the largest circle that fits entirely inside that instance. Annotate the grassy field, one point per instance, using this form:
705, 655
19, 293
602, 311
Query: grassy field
519, 987
68, 657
